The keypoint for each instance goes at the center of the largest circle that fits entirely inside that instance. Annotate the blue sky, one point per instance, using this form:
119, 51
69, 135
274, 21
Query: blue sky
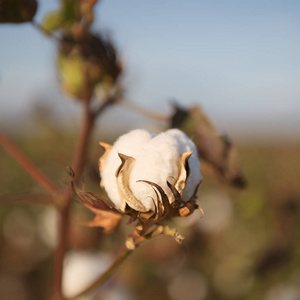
240, 60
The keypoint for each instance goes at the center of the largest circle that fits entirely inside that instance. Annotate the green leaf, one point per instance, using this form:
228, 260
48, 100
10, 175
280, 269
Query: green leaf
52, 21
64, 17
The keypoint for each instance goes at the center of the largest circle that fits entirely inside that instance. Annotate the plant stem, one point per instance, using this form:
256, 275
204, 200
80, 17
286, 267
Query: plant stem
44, 31
133, 241
107, 274
77, 166
28, 165
64, 208
63, 222
84, 136
26, 199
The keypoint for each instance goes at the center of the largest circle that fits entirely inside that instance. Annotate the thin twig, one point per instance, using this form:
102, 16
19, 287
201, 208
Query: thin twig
104, 104
107, 274
133, 241
47, 33
28, 165
26, 199
150, 113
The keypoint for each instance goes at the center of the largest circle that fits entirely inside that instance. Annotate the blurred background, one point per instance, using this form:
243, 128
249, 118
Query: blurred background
240, 62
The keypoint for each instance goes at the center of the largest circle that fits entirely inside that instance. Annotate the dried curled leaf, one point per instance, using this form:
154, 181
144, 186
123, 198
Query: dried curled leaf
108, 220
217, 151
164, 209
106, 217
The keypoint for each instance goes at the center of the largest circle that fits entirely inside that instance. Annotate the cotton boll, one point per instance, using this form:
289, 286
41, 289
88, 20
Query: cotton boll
156, 159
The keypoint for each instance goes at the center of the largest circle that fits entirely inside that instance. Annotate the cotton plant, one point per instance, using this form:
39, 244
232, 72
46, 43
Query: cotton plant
150, 177
146, 176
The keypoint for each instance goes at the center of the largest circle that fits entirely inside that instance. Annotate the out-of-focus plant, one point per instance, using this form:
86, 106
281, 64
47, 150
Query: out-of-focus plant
84, 58
220, 155
149, 178
17, 11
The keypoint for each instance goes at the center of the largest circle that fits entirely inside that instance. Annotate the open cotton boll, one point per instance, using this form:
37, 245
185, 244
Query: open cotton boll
129, 144
156, 160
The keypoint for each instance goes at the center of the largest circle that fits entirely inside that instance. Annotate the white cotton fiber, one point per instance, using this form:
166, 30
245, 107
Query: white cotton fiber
128, 144
156, 160
185, 144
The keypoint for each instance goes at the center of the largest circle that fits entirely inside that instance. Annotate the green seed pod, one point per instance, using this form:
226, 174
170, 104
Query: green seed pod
93, 57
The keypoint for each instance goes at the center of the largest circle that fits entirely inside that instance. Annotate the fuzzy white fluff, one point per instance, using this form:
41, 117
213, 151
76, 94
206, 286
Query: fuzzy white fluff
156, 159
81, 268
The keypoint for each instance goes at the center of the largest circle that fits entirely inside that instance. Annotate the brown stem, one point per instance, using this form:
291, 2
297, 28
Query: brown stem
133, 241
63, 228
44, 31
63, 222
77, 166
26, 199
84, 136
150, 113
104, 104
28, 165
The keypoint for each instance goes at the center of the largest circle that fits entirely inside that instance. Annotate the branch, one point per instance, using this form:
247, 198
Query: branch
63, 222
77, 166
28, 165
26, 199
153, 114
133, 241
104, 104
47, 33
107, 274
